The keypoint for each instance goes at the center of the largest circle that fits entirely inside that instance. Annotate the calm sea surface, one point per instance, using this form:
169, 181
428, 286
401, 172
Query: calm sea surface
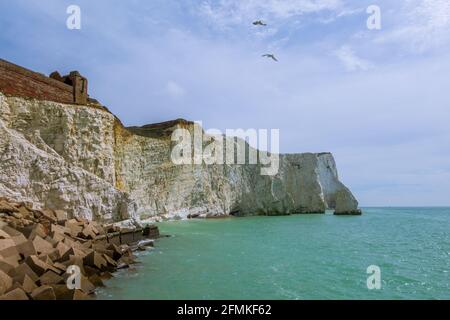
295, 257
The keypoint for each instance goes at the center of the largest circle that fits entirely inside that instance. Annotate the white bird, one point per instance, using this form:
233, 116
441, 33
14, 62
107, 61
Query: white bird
271, 56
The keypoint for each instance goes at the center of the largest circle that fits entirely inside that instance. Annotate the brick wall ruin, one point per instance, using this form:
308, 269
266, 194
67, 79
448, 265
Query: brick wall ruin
18, 81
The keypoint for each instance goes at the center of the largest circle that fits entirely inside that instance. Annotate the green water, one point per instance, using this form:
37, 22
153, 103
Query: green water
296, 257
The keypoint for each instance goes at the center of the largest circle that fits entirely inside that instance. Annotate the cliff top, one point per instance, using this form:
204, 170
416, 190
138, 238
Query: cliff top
159, 130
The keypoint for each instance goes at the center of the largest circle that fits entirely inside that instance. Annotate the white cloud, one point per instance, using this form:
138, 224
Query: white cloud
344, 12
175, 90
351, 61
421, 25
226, 13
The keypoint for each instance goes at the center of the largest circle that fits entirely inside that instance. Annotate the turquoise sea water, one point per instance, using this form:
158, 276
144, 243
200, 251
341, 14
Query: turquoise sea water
295, 257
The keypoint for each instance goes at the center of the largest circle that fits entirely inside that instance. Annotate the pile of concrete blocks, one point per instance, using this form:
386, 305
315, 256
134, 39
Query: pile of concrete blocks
38, 246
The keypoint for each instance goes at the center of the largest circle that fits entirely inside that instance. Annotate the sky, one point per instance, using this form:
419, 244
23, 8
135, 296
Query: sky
377, 99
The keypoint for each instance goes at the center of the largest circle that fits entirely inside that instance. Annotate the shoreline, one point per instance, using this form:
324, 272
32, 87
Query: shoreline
37, 247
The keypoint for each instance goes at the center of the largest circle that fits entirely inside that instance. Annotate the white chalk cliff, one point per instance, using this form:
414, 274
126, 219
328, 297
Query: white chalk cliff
81, 159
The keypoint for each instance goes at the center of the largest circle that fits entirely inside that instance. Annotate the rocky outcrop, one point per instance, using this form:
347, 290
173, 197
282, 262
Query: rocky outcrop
305, 183
45, 161
82, 160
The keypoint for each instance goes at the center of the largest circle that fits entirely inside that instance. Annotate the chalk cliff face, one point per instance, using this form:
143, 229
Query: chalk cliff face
60, 156
82, 159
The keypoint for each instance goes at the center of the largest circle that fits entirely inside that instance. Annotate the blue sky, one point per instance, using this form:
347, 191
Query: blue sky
377, 99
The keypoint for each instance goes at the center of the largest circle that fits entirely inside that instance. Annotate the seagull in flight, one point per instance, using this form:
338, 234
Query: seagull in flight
271, 56
259, 23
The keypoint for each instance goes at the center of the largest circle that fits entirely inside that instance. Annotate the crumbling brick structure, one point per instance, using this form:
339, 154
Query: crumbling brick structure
18, 81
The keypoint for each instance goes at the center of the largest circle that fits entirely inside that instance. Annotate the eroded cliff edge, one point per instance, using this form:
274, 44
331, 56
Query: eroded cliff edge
81, 159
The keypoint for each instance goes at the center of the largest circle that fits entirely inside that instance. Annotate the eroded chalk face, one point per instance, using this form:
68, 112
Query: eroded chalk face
194, 146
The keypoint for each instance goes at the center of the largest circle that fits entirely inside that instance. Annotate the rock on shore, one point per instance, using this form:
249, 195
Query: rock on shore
38, 246
82, 160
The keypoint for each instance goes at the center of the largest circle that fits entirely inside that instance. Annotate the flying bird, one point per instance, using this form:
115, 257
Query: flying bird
259, 23
271, 56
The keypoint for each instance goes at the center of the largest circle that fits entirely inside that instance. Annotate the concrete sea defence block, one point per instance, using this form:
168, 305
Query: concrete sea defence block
38, 246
